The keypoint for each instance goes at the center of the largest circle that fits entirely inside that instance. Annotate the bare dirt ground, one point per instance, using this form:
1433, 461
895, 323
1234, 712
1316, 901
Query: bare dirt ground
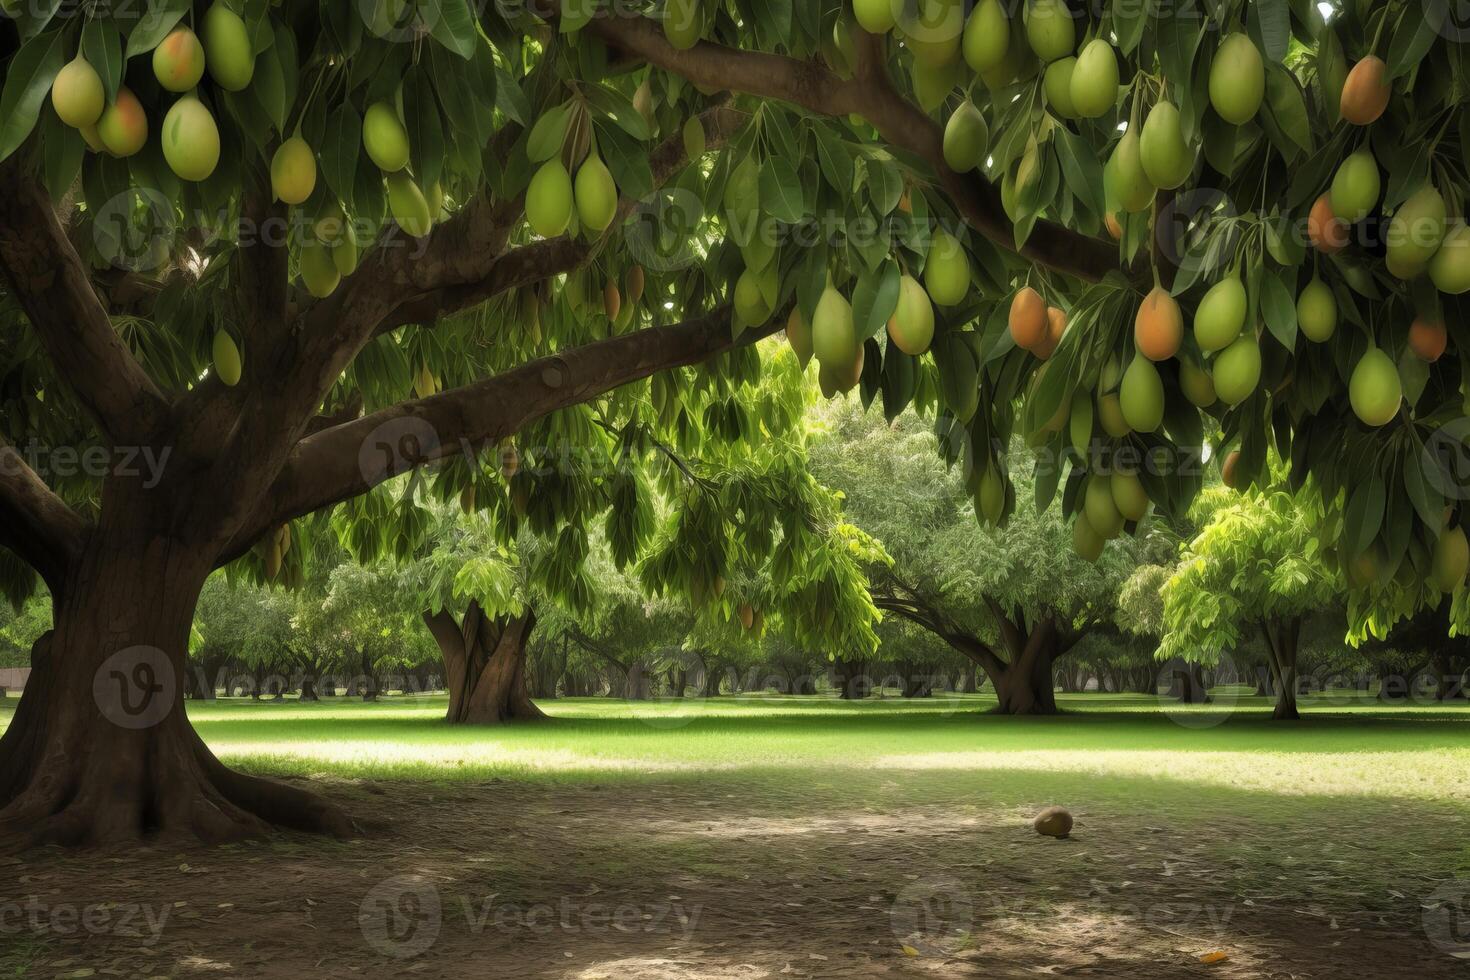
699, 879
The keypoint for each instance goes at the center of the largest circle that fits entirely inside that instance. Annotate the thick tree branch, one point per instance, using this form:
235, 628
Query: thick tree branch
55, 289
350, 459
35, 523
870, 94
455, 277
921, 614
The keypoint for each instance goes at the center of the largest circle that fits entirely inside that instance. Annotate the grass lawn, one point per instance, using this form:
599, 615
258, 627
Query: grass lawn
822, 838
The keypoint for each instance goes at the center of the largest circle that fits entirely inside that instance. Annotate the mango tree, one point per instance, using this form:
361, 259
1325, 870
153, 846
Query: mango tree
450, 187
1259, 565
1012, 599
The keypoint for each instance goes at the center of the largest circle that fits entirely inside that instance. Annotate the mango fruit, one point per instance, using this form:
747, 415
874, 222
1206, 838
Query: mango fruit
1158, 329
1375, 390
932, 30
1327, 232
384, 138
77, 94
1167, 159
1094, 81
1221, 314
752, 308
1356, 187
834, 337
190, 139
549, 200
1130, 184
987, 36
1050, 29
911, 327
1416, 232
318, 272
1196, 383
596, 195
1057, 83
799, 336
1142, 396
1316, 311
1086, 542
683, 23
408, 205
1237, 80
293, 171
875, 16
1100, 507
226, 358
123, 127
1428, 338
227, 50
1027, 320
946, 270
178, 61
1237, 370
1450, 561
966, 139
1450, 267
1129, 496
1366, 92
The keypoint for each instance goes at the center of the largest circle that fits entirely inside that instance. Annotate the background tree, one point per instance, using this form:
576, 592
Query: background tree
1013, 599
1257, 566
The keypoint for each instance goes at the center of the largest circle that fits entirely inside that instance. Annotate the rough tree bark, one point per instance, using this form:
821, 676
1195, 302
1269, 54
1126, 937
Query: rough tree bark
485, 665
1282, 638
1023, 679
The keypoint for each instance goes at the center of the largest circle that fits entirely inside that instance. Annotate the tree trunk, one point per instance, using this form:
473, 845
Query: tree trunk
485, 666
967, 680
100, 749
1281, 649
308, 689
1023, 686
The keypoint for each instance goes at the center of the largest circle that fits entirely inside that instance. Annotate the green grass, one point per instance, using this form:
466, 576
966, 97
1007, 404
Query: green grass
1345, 747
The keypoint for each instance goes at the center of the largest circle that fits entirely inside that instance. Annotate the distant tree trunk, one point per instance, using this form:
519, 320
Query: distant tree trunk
967, 680
852, 679
308, 689
485, 666
1281, 650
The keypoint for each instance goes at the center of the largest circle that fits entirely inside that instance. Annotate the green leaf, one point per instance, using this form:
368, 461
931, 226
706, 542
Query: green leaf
425, 128
781, 195
874, 299
340, 150
1270, 22
619, 108
154, 25
27, 81
1286, 108
549, 133
1364, 515
452, 25
1279, 309
102, 47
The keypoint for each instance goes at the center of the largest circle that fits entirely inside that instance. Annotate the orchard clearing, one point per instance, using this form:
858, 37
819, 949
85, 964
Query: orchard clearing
768, 836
